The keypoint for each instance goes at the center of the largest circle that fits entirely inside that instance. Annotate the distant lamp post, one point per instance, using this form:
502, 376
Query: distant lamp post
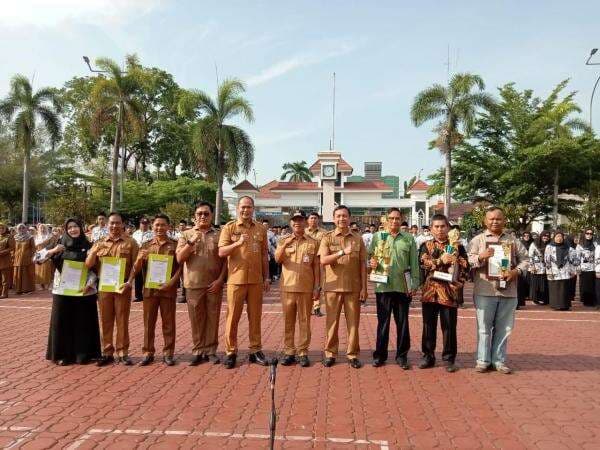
588, 63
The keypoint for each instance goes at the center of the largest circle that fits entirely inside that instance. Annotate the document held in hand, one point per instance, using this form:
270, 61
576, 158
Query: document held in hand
158, 271
71, 280
112, 274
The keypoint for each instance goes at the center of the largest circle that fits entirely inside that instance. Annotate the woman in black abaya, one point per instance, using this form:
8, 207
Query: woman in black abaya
587, 277
524, 279
74, 335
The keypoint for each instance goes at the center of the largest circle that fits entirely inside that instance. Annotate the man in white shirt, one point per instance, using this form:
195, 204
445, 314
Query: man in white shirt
424, 236
101, 228
141, 235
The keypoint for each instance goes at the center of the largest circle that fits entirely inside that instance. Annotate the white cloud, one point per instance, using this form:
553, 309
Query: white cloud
52, 13
302, 60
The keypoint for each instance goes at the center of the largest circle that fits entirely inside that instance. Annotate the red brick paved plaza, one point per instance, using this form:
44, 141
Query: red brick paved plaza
551, 401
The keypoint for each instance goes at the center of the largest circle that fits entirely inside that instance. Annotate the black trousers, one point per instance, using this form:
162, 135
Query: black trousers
139, 286
448, 319
389, 303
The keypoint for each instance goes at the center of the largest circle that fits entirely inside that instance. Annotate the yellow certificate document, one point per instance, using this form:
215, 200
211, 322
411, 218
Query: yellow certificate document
112, 274
158, 271
71, 280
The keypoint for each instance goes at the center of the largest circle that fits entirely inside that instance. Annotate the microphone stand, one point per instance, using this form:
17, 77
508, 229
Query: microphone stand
273, 419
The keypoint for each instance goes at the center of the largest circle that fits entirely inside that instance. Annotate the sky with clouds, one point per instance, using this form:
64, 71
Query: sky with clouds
383, 53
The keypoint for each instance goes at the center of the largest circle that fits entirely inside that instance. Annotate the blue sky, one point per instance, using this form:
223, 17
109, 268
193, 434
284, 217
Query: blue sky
383, 53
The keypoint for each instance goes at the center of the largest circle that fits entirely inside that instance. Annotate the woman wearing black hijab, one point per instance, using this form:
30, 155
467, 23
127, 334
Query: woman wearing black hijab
587, 278
561, 267
524, 279
74, 335
538, 289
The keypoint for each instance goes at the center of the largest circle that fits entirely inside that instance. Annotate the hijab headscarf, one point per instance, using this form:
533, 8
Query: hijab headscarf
586, 243
562, 250
527, 243
539, 242
42, 234
22, 233
75, 248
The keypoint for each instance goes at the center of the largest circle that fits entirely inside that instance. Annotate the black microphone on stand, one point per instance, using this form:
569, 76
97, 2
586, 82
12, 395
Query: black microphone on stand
273, 419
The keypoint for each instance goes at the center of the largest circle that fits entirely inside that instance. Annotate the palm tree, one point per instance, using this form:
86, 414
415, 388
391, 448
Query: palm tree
114, 102
296, 172
555, 128
30, 113
220, 149
408, 184
456, 105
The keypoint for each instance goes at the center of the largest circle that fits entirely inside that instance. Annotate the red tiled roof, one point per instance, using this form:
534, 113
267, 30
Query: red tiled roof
457, 210
292, 186
265, 190
419, 185
342, 165
366, 185
245, 186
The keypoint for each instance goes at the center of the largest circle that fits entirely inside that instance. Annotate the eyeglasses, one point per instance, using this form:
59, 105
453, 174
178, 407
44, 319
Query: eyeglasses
202, 214
589, 233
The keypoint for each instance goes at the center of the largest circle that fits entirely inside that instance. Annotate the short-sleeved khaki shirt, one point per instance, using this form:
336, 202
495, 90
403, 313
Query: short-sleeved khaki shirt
245, 264
166, 248
298, 265
7, 247
344, 275
316, 234
121, 247
204, 264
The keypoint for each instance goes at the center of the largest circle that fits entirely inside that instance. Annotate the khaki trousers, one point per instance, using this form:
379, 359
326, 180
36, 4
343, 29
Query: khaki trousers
236, 295
114, 308
204, 310
296, 304
167, 307
317, 303
5, 281
335, 301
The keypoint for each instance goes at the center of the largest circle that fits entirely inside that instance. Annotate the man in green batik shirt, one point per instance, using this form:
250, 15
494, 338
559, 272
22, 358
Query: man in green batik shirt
394, 296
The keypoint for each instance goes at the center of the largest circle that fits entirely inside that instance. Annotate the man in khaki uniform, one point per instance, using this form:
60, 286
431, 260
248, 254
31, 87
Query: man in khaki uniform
203, 278
7, 247
300, 278
114, 306
244, 243
314, 231
164, 298
343, 254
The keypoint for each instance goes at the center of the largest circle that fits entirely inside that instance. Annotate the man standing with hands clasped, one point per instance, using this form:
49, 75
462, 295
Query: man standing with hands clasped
164, 297
299, 287
343, 255
203, 278
244, 243
114, 306
495, 294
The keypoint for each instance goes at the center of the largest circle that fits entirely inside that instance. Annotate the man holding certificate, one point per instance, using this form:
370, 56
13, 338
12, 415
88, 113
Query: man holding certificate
499, 258
113, 257
203, 278
244, 243
445, 269
156, 261
394, 268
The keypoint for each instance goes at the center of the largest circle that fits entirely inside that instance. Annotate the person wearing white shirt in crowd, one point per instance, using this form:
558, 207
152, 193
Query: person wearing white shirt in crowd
424, 236
585, 251
141, 235
562, 265
538, 288
101, 228
367, 237
597, 268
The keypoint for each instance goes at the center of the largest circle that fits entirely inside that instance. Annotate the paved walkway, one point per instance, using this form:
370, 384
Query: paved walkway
551, 401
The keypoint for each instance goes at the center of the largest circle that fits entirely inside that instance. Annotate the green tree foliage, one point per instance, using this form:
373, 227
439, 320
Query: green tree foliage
407, 185
456, 107
296, 172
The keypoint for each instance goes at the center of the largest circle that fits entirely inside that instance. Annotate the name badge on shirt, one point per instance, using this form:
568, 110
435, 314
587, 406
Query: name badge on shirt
306, 259
255, 247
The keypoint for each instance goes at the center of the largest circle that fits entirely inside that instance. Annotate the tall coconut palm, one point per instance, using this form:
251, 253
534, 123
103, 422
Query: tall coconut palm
29, 113
456, 106
220, 149
113, 101
296, 172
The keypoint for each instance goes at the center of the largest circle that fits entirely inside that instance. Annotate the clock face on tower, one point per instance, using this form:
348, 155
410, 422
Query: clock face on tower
329, 171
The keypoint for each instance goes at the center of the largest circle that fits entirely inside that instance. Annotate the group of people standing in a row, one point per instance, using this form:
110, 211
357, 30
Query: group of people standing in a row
557, 260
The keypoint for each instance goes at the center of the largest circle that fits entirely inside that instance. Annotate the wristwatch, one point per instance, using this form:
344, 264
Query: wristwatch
341, 253
190, 243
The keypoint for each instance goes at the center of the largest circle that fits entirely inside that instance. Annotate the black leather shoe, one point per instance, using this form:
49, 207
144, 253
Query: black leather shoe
451, 367
318, 312
288, 360
427, 363
137, 300
303, 361
355, 363
196, 359
378, 362
213, 359
258, 358
148, 359
105, 360
230, 361
182, 300
402, 361
168, 360
63, 362
126, 361
328, 362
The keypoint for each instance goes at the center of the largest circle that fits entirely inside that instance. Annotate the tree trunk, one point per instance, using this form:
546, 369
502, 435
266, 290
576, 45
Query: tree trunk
25, 202
114, 179
555, 201
447, 178
219, 197
124, 160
